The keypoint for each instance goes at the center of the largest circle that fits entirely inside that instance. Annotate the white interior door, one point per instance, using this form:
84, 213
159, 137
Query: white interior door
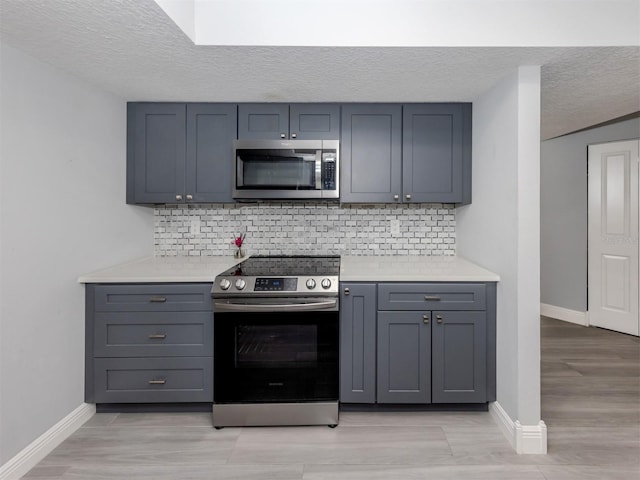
613, 236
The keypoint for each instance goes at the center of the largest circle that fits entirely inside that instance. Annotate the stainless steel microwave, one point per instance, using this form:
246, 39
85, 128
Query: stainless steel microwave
286, 169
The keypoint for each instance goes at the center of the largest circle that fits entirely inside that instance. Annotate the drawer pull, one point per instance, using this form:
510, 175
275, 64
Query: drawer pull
158, 299
431, 298
157, 382
157, 336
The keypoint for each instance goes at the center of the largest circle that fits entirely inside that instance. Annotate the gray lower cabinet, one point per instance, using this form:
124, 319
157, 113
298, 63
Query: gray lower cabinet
419, 343
149, 343
404, 358
459, 369
180, 153
358, 343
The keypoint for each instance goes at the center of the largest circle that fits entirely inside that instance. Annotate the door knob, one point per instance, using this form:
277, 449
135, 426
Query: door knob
407, 196
282, 135
396, 197
425, 319
439, 318
189, 197
179, 198
294, 135
346, 291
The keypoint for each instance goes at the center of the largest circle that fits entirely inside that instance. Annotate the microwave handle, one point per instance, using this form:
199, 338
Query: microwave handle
318, 169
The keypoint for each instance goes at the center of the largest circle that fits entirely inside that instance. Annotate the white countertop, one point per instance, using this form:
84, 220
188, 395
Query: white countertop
412, 268
163, 270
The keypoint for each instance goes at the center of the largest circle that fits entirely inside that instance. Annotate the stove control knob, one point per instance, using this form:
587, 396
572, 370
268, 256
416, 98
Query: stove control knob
326, 283
240, 284
311, 284
225, 284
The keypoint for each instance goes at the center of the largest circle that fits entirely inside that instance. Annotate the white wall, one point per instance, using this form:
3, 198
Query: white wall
62, 214
500, 230
563, 211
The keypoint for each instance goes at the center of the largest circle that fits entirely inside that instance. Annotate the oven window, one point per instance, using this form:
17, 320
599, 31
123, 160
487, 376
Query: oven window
274, 346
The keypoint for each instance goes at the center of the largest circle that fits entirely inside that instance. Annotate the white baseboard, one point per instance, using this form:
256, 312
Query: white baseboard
29, 457
525, 439
561, 313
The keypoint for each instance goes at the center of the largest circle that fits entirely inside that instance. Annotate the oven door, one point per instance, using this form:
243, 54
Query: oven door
278, 356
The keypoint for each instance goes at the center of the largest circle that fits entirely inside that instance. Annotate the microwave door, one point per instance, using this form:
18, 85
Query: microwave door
278, 170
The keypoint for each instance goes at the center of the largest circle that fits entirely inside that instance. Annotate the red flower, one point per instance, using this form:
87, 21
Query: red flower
239, 240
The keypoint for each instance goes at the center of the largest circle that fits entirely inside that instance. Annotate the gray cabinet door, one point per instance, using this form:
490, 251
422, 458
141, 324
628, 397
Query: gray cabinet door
211, 129
371, 153
314, 121
358, 343
156, 136
459, 357
260, 121
436, 153
404, 357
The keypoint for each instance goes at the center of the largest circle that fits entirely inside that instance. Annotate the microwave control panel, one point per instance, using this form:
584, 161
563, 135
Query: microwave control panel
329, 171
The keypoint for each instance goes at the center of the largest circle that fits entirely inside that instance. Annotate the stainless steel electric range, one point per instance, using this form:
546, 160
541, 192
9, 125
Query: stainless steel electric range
276, 322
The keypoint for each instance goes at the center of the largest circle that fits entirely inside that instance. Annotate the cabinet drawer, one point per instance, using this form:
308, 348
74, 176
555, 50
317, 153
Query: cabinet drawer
153, 380
166, 297
153, 334
431, 296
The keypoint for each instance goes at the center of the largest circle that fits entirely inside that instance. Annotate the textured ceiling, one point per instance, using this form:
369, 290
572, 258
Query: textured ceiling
134, 50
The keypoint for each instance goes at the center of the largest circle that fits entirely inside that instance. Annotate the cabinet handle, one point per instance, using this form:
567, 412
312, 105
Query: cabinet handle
430, 298
396, 197
294, 135
425, 319
157, 336
346, 291
158, 299
282, 135
179, 198
408, 196
157, 382
439, 318
189, 198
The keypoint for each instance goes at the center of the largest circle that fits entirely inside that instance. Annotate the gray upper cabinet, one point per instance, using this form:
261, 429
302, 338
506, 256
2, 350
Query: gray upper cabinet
259, 121
275, 121
358, 343
371, 153
436, 153
156, 140
179, 153
211, 129
414, 153
314, 121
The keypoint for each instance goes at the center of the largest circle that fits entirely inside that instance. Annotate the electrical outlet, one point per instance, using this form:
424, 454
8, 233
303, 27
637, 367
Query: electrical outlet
395, 227
195, 226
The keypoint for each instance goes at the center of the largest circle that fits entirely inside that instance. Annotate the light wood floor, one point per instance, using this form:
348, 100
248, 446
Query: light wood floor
590, 402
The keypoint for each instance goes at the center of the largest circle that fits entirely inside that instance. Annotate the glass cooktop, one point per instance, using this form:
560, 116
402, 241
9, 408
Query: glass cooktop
286, 266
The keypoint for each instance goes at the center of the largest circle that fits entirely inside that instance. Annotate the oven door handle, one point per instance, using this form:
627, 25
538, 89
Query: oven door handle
281, 307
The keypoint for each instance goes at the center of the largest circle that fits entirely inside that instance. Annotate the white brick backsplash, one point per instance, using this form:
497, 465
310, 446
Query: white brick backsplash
306, 229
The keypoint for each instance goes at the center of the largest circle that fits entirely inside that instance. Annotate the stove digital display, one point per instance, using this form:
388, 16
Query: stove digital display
264, 284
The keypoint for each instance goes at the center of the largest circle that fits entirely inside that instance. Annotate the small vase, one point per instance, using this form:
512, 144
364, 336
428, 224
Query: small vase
239, 253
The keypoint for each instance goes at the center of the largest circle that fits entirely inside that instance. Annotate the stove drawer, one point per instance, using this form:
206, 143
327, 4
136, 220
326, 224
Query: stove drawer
431, 296
166, 297
153, 380
153, 334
